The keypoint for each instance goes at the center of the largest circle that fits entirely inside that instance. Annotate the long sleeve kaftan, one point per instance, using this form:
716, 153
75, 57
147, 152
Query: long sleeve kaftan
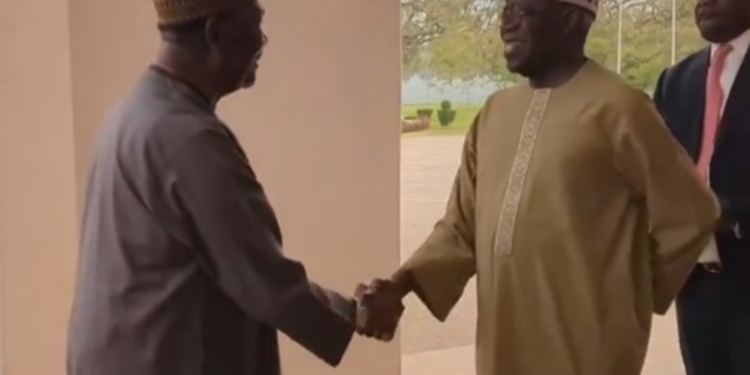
580, 217
181, 270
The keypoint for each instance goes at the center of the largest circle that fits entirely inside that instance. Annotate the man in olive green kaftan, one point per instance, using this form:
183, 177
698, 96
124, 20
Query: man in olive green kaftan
551, 209
580, 217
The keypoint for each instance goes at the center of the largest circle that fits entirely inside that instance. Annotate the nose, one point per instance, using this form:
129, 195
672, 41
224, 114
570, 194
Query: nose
509, 20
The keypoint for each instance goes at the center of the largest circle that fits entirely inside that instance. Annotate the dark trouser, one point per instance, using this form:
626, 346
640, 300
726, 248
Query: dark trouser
713, 315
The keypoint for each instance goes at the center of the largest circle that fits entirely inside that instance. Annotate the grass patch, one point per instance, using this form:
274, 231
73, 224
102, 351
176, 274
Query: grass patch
465, 114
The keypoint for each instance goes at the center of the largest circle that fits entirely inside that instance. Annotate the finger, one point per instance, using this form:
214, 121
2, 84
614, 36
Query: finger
380, 284
388, 337
368, 298
385, 336
370, 290
366, 333
360, 291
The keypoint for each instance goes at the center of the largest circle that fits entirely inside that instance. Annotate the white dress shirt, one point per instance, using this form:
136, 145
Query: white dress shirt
732, 65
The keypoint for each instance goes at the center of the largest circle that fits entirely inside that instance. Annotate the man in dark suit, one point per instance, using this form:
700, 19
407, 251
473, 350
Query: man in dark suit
705, 101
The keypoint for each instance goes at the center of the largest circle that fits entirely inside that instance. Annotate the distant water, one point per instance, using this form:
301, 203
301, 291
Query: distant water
421, 91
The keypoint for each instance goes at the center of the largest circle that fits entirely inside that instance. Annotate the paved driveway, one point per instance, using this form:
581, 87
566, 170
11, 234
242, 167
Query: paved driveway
427, 168
428, 165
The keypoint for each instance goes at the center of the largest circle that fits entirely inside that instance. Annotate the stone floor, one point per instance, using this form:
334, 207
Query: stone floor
427, 168
430, 348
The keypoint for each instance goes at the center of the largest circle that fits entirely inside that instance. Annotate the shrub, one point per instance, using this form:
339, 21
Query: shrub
446, 115
425, 112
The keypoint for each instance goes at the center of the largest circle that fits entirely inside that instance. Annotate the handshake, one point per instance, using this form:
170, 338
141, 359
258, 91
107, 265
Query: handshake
379, 308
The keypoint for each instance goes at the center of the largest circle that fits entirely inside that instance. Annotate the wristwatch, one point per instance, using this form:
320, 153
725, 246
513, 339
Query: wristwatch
361, 315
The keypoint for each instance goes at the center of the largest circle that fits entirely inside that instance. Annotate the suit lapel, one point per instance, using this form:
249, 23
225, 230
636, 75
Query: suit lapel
736, 112
696, 89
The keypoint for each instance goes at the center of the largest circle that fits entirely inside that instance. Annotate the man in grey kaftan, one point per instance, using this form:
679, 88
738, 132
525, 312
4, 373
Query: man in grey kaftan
181, 270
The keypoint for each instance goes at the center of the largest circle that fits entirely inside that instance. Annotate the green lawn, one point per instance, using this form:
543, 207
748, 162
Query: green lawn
464, 116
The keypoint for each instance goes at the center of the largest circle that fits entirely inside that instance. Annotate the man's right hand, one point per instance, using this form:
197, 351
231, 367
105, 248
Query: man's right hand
380, 309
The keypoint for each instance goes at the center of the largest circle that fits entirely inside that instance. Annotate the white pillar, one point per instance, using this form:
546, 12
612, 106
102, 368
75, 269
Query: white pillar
38, 231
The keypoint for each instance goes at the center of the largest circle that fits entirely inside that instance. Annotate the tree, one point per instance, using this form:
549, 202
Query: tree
646, 37
421, 23
453, 40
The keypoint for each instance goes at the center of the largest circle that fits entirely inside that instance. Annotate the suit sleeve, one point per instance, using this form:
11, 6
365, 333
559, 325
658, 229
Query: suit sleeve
737, 209
681, 209
239, 246
442, 266
660, 92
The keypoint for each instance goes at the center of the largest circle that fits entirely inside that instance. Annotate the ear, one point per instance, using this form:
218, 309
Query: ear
570, 20
212, 31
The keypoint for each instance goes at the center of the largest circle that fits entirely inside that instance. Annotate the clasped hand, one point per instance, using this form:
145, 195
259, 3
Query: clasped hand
380, 309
